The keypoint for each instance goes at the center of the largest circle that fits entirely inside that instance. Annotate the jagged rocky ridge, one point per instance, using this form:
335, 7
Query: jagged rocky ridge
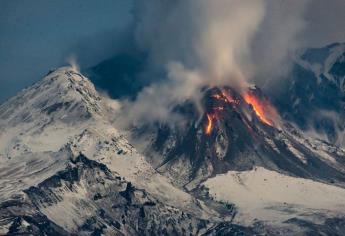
104, 202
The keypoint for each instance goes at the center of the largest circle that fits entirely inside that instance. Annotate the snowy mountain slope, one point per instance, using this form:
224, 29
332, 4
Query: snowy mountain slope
312, 96
281, 203
121, 157
37, 123
43, 116
29, 170
64, 111
271, 196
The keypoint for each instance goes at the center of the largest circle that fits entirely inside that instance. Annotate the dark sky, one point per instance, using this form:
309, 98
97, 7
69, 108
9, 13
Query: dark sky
38, 35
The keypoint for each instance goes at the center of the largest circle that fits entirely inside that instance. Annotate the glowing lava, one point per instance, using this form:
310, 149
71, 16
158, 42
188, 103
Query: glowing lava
263, 110
229, 98
226, 97
218, 108
209, 124
224, 101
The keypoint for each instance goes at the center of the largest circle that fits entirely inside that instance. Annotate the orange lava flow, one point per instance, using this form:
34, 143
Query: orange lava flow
209, 124
260, 108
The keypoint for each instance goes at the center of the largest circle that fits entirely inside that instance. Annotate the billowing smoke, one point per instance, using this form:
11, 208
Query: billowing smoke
199, 43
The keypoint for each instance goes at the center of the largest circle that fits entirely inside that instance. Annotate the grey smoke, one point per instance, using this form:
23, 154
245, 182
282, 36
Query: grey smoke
209, 43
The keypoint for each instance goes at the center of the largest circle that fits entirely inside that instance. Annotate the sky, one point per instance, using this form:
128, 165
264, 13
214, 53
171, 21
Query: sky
38, 35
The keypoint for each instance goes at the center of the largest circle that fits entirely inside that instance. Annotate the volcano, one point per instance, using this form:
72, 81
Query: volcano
237, 132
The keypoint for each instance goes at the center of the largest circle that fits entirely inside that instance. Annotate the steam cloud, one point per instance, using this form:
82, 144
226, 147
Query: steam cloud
210, 43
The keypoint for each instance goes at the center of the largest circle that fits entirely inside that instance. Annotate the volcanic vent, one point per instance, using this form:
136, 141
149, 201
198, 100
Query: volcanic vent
237, 131
249, 105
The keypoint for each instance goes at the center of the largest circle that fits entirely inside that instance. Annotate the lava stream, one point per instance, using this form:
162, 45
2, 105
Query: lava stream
263, 110
209, 124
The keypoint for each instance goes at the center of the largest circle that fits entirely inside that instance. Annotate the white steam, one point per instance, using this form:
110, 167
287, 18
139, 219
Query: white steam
72, 61
207, 43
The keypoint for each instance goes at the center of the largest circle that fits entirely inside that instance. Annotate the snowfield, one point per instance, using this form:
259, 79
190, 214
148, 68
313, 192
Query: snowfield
273, 197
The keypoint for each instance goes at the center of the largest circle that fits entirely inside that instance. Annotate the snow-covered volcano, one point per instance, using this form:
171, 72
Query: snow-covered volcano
66, 170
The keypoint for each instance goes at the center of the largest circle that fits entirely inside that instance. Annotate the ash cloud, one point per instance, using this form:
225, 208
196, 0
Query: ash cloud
200, 43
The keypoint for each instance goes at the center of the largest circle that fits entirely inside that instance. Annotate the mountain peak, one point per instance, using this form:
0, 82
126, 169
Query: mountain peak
63, 98
63, 89
70, 78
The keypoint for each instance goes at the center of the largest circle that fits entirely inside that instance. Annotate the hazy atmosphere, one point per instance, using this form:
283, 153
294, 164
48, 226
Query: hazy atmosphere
38, 35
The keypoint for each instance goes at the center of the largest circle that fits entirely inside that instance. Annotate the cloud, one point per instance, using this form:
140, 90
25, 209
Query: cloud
198, 43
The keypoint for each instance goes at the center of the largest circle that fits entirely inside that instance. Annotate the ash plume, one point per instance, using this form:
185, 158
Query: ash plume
200, 43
